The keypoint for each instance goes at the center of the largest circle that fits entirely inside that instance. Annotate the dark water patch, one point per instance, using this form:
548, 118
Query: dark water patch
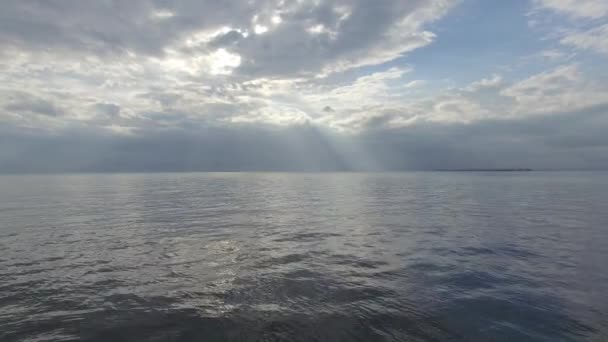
51, 259
355, 262
9, 235
357, 293
474, 251
428, 267
28, 272
185, 263
474, 280
109, 269
285, 260
516, 252
254, 326
306, 237
503, 320
106, 284
25, 263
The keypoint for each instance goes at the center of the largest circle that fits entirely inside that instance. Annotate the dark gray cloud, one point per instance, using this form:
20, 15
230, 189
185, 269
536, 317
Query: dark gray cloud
547, 142
23, 103
349, 31
109, 109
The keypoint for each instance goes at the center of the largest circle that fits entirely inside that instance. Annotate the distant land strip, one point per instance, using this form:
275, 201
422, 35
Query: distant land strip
486, 170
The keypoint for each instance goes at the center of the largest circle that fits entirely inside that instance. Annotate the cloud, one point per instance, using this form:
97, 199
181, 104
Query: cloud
543, 142
202, 60
576, 8
487, 83
109, 109
191, 34
595, 39
272, 84
23, 104
323, 37
588, 29
559, 90
379, 100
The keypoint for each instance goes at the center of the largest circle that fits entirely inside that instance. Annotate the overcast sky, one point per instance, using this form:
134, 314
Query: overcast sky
170, 85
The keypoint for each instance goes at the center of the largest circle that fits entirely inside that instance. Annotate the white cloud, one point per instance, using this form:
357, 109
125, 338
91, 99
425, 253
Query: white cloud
415, 84
560, 90
260, 29
577, 8
486, 83
162, 14
587, 28
595, 39
553, 54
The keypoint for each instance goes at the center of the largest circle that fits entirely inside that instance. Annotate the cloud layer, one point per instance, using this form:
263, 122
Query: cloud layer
290, 85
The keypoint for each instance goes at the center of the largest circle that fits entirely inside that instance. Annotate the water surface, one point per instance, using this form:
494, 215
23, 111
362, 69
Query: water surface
304, 257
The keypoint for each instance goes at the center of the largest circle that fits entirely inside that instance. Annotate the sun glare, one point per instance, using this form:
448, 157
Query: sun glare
222, 62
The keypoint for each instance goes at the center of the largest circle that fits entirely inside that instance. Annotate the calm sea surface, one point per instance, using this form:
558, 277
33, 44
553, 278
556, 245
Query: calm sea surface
304, 257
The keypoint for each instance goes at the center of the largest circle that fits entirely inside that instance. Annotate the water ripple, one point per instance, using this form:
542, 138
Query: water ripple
278, 257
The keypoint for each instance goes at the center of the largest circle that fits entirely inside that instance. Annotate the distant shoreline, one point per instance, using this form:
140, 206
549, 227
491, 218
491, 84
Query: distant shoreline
486, 170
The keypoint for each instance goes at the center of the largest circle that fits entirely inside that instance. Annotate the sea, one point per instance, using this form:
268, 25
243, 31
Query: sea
419, 256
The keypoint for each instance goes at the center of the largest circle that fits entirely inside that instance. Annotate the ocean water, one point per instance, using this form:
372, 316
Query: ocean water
444, 256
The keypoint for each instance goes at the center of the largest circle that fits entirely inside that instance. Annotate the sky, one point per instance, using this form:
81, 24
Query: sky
302, 85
